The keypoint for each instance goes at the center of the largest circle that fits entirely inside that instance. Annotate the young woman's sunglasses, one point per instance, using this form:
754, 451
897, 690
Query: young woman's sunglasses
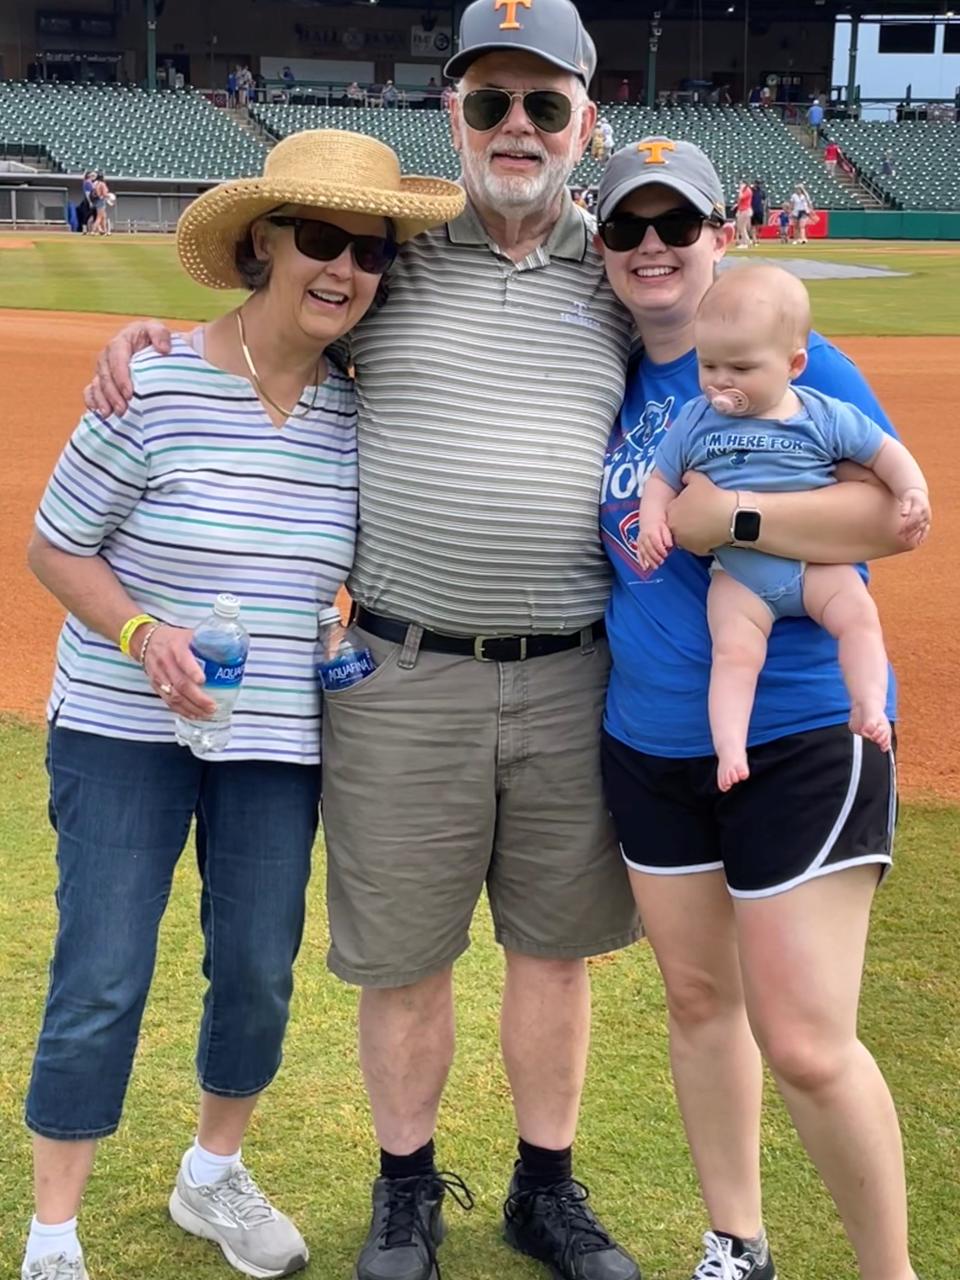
546, 109
324, 241
678, 228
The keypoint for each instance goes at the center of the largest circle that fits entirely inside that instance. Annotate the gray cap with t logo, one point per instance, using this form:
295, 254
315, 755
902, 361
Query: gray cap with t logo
551, 29
668, 162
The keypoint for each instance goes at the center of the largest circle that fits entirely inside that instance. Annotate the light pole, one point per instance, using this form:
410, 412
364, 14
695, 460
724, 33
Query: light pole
151, 6
656, 31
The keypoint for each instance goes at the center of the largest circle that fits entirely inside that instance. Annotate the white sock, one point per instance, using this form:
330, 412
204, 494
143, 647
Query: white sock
204, 1167
52, 1238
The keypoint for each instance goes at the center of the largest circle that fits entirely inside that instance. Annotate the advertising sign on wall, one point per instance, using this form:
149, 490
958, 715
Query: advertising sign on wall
435, 43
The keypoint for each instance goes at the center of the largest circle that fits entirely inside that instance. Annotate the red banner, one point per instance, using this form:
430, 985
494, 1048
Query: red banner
818, 225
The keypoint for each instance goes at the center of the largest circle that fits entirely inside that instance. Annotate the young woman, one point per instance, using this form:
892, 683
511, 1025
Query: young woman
756, 902
234, 468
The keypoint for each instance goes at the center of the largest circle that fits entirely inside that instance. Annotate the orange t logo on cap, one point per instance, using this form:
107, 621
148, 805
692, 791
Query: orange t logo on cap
656, 150
510, 22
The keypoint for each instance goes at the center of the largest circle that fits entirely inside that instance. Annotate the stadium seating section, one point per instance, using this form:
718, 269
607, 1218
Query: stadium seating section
127, 132
742, 142
925, 159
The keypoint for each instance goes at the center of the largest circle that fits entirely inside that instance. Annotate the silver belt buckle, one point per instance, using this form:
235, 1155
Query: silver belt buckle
480, 641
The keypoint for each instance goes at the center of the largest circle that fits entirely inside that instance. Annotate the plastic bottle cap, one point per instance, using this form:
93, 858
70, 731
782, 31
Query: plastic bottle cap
226, 605
326, 616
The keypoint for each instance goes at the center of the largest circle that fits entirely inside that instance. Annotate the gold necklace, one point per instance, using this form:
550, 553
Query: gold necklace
261, 389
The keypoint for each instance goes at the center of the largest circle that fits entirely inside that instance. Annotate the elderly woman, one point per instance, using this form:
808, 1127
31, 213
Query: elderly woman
756, 902
234, 468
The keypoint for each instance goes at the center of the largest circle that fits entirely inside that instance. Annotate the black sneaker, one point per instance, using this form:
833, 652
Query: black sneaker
407, 1226
728, 1258
556, 1226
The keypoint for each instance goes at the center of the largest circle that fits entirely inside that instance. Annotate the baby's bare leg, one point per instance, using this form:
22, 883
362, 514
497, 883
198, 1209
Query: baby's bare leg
740, 625
835, 596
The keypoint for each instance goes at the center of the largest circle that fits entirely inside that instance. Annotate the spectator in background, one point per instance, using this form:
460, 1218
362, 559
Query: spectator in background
758, 209
432, 98
743, 214
231, 88
85, 210
815, 120
783, 222
354, 94
390, 96
831, 155
766, 96
447, 96
801, 207
886, 165
755, 96
623, 91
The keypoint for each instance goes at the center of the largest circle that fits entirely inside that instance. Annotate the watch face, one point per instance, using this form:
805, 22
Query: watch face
746, 526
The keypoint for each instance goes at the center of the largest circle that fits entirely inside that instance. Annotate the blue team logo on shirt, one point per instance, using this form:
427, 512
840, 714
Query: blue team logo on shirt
738, 459
653, 421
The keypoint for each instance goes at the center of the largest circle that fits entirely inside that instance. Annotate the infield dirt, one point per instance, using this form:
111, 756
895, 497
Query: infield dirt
48, 357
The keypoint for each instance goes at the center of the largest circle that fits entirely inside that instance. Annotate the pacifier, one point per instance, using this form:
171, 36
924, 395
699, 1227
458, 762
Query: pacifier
731, 401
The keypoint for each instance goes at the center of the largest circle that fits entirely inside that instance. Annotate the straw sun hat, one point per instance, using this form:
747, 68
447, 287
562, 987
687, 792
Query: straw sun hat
323, 169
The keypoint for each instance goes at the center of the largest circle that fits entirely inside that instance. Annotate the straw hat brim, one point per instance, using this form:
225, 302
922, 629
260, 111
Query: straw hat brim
211, 227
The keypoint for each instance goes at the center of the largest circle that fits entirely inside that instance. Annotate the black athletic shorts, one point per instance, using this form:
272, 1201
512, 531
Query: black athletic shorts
815, 802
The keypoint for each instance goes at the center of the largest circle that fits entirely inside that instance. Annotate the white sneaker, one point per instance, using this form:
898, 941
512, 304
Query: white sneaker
234, 1213
55, 1267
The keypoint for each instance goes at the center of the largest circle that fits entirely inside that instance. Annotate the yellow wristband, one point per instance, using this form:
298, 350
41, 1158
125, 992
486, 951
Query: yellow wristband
126, 633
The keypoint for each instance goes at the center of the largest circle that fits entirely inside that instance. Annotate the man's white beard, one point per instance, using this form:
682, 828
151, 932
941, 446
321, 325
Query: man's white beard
517, 192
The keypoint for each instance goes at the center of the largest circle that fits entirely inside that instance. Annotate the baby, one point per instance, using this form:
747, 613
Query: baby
752, 430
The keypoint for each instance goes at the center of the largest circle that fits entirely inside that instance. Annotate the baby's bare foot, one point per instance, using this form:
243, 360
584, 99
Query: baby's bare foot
732, 769
872, 724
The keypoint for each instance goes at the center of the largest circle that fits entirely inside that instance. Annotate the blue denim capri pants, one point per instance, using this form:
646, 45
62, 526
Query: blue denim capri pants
122, 812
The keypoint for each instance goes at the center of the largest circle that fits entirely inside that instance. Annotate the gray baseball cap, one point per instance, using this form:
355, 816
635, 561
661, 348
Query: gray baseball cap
668, 162
549, 28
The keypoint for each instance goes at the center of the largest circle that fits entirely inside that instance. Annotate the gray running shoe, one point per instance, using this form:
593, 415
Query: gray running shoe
235, 1214
55, 1267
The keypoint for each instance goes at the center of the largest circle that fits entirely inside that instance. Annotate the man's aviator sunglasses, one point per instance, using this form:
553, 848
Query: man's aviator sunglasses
325, 241
678, 228
546, 109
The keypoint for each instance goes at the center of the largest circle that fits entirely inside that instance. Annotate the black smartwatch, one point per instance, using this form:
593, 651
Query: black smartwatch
744, 524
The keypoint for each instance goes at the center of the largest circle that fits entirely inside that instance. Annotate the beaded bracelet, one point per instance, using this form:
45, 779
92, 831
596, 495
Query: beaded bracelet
142, 659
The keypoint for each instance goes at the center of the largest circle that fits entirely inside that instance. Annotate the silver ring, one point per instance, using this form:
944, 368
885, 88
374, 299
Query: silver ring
166, 688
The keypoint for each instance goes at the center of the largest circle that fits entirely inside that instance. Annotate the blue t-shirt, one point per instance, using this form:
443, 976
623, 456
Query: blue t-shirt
657, 619
815, 114
771, 456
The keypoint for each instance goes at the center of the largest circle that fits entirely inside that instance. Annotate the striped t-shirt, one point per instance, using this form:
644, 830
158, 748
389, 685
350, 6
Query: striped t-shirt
487, 391
192, 492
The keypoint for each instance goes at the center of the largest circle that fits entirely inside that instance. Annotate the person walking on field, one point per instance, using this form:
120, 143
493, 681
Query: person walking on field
470, 756
758, 209
801, 208
744, 213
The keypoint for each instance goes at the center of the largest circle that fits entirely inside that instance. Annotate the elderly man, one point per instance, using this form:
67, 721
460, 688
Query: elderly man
488, 384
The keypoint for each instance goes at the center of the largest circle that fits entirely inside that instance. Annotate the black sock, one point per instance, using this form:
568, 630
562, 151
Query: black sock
417, 1164
541, 1167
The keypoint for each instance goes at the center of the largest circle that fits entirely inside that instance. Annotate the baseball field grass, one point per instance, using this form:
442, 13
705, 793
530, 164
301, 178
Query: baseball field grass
137, 275
310, 1144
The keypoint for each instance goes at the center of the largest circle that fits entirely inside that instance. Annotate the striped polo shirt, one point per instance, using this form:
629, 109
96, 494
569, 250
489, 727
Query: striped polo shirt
192, 492
487, 390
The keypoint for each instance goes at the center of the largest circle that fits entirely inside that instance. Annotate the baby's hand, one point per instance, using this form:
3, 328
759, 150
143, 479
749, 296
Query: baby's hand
653, 544
915, 515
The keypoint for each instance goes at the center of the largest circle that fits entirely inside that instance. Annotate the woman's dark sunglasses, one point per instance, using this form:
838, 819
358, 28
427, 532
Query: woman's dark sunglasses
546, 109
678, 228
324, 241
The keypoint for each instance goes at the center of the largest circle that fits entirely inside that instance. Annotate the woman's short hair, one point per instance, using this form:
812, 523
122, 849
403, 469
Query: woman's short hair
253, 271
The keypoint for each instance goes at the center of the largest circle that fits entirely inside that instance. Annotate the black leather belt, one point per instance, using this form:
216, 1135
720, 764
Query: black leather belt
483, 648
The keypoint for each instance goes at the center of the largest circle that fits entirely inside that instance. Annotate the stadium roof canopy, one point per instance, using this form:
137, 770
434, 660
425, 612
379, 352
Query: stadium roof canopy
709, 10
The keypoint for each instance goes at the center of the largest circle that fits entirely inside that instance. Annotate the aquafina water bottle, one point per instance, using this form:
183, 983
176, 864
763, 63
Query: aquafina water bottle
220, 644
342, 657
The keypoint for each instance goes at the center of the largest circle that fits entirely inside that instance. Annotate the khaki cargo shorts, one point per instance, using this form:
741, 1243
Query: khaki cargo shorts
442, 774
